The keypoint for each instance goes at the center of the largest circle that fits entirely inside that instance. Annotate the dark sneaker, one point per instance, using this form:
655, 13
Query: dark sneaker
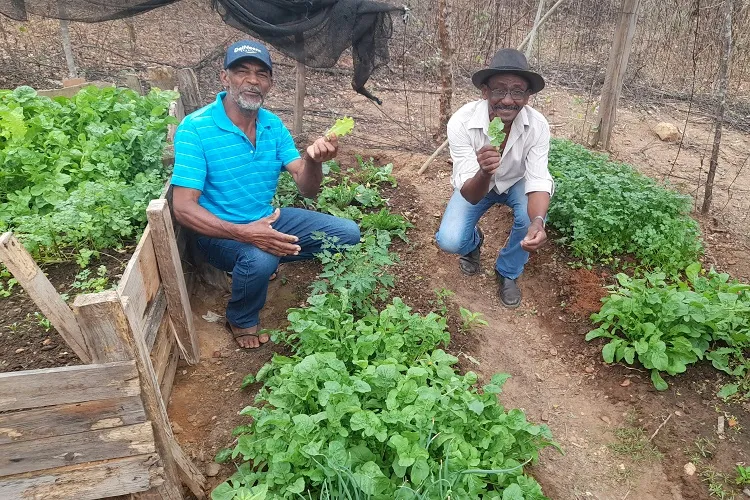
469, 263
510, 294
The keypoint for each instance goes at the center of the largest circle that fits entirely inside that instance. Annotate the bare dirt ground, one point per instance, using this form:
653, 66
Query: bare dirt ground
558, 378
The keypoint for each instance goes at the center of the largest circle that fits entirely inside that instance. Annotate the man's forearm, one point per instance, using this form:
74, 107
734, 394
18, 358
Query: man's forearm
538, 204
310, 178
477, 187
202, 221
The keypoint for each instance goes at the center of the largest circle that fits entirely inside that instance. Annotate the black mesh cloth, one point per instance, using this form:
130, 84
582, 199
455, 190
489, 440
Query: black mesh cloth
314, 32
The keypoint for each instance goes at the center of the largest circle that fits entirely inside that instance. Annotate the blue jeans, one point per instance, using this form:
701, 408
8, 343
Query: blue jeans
251, 267
458, 233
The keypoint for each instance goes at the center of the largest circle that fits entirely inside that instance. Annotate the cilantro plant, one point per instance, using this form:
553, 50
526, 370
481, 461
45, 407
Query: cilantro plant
667, 325
77, 173
606, 210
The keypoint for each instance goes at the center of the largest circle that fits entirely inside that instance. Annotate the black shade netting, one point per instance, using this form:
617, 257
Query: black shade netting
314, 32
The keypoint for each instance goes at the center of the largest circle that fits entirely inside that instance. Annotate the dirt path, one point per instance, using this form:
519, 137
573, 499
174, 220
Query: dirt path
524, 343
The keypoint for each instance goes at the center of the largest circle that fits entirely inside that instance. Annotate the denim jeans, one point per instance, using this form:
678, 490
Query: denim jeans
251, 267
458, 233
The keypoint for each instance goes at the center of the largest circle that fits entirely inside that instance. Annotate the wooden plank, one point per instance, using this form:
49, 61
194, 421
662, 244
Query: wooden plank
170, 370
23, 267
162, 351
189, 91
299, 99
72, 90
170, 270
140, 280
99, 326
37, 423
157, 412
86, 481
91, 446
67, 385
154, 318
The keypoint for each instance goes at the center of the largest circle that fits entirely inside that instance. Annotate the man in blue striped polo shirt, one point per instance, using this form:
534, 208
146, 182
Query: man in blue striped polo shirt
228, 158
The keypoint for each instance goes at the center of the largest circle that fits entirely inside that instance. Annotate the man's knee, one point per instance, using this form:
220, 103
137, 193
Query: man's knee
451, 243
252, 260
350, 234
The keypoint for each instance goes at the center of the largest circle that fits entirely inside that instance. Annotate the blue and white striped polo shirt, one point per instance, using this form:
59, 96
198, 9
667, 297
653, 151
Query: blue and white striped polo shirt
237, 180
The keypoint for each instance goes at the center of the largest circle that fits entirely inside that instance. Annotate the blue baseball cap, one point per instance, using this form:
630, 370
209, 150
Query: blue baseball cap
247, 49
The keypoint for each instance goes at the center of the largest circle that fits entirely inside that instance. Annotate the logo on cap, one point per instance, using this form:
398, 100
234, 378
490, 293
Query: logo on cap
247, 49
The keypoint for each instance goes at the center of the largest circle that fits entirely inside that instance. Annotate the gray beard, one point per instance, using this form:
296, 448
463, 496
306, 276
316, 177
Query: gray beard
244, 104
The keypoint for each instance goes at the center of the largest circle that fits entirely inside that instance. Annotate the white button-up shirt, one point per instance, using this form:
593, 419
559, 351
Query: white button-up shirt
524, 157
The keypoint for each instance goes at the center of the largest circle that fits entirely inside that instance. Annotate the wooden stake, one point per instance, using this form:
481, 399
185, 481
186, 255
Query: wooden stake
532, 35
170, 269
67, 49
618, 63
40, 290
722, 80
431, 158
299, 99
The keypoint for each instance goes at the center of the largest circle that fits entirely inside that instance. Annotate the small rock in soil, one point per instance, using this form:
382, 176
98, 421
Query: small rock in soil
746, 491
545, 416
689, 468
553, 351
539, 377
606, 420
176, 428
589, 369
216, 354
192, 419
47, 342
625, 382
20, 350
678, 413
212, 469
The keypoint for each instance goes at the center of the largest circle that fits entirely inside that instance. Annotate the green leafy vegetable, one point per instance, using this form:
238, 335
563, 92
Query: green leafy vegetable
342, 127
78, 173
496, 133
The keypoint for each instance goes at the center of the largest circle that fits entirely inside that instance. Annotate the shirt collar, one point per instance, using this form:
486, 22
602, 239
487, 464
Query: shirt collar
219, 115
481, 117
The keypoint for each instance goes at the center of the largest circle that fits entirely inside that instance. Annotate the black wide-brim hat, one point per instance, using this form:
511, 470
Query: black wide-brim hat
509, 62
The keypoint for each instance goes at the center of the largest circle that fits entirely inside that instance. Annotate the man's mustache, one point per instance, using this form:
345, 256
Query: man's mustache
502, 107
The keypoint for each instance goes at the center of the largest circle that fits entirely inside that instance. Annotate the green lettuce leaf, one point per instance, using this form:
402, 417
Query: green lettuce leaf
495, 131
342, 127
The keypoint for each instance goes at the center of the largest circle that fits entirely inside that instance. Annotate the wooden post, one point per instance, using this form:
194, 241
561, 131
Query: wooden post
618, 63
432, 158
532, 35
446, 65
69, 60
170, 270
107, 314
722, 81
189, 91
40, 290
299, 99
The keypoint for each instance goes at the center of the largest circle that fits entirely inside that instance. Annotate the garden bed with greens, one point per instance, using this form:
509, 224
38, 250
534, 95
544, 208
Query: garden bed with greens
369, 405
667, 312
77, 176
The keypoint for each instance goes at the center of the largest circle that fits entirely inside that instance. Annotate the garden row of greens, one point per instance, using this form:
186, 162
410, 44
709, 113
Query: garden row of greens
369, 405
672, 312
79, 172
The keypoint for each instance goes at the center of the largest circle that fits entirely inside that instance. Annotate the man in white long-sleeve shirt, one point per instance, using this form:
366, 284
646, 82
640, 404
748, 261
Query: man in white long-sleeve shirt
514, 174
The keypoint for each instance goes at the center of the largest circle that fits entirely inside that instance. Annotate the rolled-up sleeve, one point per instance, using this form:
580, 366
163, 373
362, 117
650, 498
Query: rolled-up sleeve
465, 164
537, 176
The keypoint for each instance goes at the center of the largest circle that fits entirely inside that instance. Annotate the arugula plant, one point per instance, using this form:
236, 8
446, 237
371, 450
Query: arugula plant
496, 132
342, 127
667, 326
